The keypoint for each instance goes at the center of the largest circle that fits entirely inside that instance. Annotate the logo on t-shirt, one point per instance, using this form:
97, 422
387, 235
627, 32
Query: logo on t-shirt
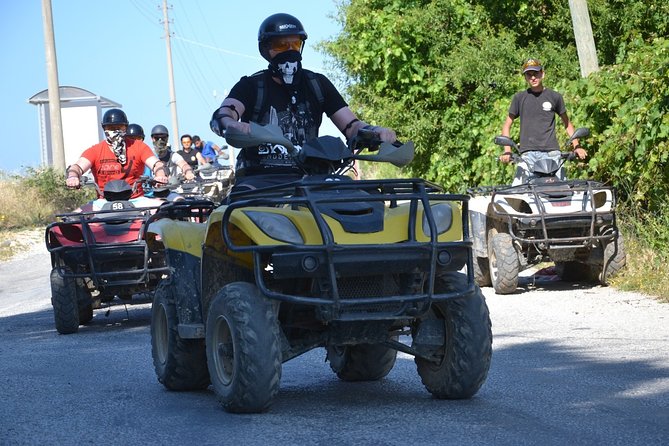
547, 106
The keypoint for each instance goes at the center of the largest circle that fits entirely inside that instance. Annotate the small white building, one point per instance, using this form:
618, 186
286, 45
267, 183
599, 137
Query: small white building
81, 113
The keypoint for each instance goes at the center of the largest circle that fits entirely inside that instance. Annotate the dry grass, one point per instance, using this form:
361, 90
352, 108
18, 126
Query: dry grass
645, 272
22, 207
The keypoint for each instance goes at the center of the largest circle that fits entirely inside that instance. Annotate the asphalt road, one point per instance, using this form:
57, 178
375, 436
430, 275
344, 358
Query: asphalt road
571, 365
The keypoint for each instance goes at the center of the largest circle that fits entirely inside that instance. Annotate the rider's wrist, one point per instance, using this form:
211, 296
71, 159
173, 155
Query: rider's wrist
74, 171
578, 146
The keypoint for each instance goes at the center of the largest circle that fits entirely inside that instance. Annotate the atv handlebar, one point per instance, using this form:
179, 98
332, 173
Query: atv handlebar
567, 156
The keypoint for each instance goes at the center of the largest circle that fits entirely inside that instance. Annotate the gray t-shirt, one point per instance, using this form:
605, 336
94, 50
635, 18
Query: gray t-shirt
537, 113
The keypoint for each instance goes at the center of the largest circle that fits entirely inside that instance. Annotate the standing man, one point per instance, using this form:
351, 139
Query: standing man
210, 151
116, 157
287, 95
537, 107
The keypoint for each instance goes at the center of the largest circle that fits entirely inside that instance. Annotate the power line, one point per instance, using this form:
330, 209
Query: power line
147, 13
222, 50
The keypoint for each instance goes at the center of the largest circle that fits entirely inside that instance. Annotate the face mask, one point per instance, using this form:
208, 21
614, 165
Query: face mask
286, 65
162, 149
116, 141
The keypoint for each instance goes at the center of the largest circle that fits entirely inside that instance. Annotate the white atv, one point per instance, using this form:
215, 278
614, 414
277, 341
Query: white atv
569, 222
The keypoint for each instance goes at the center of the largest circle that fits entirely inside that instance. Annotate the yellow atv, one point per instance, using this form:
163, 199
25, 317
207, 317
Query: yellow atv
362, 268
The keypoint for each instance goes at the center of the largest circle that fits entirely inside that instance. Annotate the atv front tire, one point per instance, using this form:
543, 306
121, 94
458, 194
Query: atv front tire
481, 271
180, 364
243, 348
362, 362
504, 267
614, 260
464, 358
65, 302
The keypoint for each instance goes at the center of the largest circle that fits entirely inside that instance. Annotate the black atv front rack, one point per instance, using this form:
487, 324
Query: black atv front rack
332, 264
107, 262
550, 229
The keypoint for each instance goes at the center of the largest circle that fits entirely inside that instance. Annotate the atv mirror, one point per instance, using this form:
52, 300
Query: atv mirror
581, 132
505, 141
268, 134
389, 153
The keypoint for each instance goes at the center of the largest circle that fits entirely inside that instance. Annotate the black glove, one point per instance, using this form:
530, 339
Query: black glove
216, 123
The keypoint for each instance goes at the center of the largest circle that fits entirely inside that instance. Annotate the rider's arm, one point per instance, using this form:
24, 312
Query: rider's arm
228, 116
158, 168
578, 150
186, 169
75, 171
506, 131
348, 124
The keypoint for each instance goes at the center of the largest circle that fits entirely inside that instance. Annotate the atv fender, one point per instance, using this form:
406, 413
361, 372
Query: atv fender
182, 241
221, 266
478, 209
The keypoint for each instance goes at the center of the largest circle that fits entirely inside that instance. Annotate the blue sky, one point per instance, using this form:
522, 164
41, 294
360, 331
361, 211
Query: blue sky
117, 50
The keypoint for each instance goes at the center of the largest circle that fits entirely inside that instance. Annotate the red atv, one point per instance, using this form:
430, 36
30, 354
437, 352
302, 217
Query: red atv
99, 253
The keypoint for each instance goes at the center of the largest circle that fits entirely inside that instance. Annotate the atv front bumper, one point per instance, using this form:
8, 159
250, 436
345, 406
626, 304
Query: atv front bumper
346, 278
107, 247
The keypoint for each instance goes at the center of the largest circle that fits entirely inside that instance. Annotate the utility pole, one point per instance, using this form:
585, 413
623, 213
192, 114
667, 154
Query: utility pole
56, 125
170, 73
585, 42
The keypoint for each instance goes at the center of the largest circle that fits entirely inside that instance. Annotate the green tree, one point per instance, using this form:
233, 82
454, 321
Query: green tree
442, 72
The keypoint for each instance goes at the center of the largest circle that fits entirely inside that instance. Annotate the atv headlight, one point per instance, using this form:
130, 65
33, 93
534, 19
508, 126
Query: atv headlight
443, 217
277, 226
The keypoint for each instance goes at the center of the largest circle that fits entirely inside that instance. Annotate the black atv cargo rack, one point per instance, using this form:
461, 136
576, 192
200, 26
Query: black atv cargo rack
547, 228
334, 263
100, 260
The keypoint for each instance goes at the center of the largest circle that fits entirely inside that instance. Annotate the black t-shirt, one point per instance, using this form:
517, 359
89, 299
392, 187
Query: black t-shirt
294, 108
537, 113
190, 157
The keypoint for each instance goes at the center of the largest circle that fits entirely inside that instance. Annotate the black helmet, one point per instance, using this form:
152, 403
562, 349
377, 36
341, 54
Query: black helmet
114, 116
159, 130
135, 130
280, 24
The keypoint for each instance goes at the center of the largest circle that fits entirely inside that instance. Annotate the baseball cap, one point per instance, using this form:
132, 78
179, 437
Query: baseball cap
532, 65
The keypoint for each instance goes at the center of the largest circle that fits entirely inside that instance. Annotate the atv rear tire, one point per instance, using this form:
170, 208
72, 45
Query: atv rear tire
614, 260
243, 348
481, 271
65, 302
504, 267
180, 364
362, 362
467, 351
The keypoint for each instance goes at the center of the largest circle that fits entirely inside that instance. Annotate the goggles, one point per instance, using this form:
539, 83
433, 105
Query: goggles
281, 45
